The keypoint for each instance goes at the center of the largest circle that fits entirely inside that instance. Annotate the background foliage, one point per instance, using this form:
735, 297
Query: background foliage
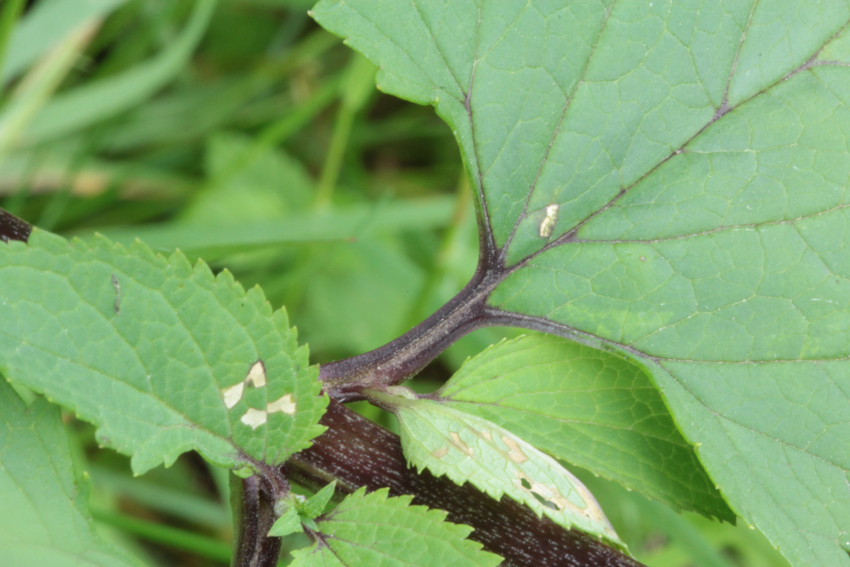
246, 135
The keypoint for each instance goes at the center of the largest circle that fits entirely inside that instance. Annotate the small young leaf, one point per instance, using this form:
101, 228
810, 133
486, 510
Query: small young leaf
288, 523
45, 518
371, 529
162, 356
470, 449
295, 510
590, 408
315, 505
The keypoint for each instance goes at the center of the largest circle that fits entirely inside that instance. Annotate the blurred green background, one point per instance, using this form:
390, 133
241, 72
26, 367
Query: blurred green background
242, 133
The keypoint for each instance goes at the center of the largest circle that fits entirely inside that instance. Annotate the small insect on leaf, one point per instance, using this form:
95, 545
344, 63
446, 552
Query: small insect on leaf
548, 223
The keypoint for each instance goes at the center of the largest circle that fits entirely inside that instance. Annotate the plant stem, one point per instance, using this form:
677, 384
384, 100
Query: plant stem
344, 380
13, 228
357, 452
253, 515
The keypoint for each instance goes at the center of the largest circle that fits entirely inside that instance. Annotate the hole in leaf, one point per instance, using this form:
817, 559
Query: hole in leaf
545, 502
525, 484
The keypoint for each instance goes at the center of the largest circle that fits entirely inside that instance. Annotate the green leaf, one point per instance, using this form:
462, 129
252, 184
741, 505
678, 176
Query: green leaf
467, 448
162, 356
587, 407
667, 179
296, 509
315, 505
371, 529
289, 522
88, 104
45, 519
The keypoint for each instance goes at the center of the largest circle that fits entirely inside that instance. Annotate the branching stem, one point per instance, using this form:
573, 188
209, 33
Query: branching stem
357, 452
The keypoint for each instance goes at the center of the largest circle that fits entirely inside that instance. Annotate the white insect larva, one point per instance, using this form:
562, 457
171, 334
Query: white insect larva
548, 223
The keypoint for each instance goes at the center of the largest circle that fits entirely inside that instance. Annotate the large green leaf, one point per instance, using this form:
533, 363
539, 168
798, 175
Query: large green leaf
587, 407
668, 179
162, 356
371, 529
45, 518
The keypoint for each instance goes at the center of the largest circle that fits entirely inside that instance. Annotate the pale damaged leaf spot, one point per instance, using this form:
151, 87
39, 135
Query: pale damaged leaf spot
232, 395
547, 225
551, 497
440, 453
257, 375
515, 454
462, 447
254, 418
285, 404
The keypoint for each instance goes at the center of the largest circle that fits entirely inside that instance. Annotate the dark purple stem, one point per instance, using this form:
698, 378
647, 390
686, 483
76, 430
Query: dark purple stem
357, 452
405, 356
396, 361
253, 515
13, 228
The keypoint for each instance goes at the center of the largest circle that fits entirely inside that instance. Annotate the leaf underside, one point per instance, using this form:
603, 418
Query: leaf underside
589, 408
372, 529
162, 356
667, 179
45, 519
467, 448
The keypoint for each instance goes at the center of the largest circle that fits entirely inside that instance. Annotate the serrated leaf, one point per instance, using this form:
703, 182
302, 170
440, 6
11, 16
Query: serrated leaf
669, 179
315, 505
467, 448
45, 518
372, 529
589, 408
295, 510
162, 356
289, 522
